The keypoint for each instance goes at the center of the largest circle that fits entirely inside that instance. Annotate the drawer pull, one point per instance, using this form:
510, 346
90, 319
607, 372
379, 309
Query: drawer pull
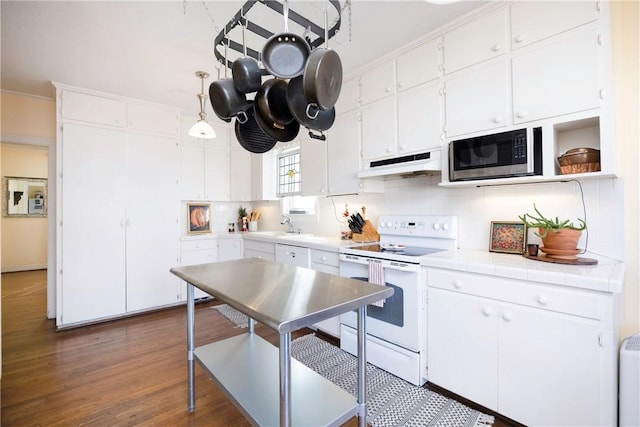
324, 258
543, 300
457, 284
487, 311
507, 317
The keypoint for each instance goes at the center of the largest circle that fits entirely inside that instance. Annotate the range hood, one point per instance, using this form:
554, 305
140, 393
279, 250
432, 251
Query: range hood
429, 161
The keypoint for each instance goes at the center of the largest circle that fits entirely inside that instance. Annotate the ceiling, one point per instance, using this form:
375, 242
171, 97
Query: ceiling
151, 50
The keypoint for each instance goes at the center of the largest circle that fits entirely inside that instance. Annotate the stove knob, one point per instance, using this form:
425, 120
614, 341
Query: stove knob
445, 226
436, 226
389, 224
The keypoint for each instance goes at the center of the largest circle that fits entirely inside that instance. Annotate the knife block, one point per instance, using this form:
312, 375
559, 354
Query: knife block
369, 234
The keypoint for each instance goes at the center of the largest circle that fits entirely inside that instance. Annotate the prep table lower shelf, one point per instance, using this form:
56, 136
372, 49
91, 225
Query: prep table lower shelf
245, 367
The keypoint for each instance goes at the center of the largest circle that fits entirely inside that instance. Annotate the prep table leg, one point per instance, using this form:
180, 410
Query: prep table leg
285, 380
191, 329
252, 324
362, 367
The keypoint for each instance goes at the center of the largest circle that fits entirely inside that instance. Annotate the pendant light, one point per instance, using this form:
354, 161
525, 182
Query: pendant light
202, 129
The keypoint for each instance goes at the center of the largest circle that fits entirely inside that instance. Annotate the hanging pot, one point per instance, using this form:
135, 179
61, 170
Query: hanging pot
323, 74
283, 133
271, 100
226, 100
306, 114
245, 71
250, 136
284, 55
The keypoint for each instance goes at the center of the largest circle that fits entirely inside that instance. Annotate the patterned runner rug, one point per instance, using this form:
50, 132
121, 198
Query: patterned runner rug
391, 401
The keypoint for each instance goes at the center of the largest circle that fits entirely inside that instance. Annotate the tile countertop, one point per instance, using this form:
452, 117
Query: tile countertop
606, 276
327, 243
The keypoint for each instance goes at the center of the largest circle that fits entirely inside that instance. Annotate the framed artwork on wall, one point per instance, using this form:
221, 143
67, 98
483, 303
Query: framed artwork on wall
198, 218
508, 237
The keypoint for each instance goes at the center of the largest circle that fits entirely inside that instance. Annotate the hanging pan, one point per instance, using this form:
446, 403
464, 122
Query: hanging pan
307, 114
323, 74
245, 71
250, 136
226, 100
271, 100
285, 54
283, 133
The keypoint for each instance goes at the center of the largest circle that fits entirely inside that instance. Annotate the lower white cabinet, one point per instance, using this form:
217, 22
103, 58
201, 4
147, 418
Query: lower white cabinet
327, 262
230, 248
197, 251
292, 255
259, 249
536, 353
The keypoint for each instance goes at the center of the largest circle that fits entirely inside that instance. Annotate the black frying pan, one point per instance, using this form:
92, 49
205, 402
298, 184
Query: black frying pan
250, 136
245, 71
226, 100
284, 55
284, 133
271, 100
307, 115
323, 74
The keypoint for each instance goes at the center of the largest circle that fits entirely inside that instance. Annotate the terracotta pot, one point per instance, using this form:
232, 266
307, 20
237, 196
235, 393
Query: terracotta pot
565, 238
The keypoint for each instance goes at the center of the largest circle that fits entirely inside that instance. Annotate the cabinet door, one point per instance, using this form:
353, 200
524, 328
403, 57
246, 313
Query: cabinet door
380, 130
230, 249
153, 235
549, 367
92, 234
92, 108
378, 82
153, 118
462, 351
263, 176
192, 171
419, 124
420, 65
476, 101
349, 96
203, 256
313, 163
216, 174
474, 42
343, 154
558, 16
240, 175
556, 79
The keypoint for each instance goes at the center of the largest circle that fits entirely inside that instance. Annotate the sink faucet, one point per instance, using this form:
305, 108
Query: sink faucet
287, 220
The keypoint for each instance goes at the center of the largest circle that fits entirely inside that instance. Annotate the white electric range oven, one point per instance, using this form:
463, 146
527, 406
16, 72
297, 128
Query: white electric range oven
396, 331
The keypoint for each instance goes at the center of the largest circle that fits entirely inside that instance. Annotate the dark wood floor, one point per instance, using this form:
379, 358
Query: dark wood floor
127, 372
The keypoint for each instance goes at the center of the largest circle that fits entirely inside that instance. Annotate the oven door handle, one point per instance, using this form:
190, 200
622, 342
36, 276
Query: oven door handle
386, 264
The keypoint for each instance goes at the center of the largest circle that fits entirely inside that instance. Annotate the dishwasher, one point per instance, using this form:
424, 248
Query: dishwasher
293, 255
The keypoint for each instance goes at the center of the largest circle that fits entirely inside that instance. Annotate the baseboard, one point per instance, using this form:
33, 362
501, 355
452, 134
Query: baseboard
24, 268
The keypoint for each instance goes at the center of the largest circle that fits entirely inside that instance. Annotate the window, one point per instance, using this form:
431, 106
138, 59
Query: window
289, 174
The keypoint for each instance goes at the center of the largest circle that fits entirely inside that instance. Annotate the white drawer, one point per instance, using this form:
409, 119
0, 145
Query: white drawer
250, 253
259, 246
532, 294
325, 257
194, 245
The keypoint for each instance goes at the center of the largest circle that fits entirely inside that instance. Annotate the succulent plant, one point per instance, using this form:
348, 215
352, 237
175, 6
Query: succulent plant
555, 225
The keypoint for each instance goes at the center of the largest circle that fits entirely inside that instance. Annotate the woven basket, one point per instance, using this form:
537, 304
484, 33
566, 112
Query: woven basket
580, 168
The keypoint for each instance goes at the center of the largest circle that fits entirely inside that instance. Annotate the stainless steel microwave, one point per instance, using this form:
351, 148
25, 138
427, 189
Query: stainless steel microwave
499, 155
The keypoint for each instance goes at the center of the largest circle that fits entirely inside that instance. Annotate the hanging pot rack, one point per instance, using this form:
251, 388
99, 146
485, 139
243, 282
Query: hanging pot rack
315, 33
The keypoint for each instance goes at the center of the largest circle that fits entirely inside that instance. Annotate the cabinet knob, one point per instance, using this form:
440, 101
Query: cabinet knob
521, 114
387, 89
400, 84
487, 311
403, 147
495, 47
445, 227
323, 258
519, 38
543, 300
389, 150
497, 119
507, 317
457, 284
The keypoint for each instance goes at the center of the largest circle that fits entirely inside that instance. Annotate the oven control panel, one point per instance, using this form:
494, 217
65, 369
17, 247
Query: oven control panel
441, 226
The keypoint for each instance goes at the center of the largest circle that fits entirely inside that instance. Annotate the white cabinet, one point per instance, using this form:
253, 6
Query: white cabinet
192, 167
313, 163
349, 96
263, 176
558, 16
542, 354
197, 251
259, 249
92, 108
477, 100
557, 78
327, 262
476, 41
419, 65
292, 255
379, 130
378, 83
240, 175
152, 118
343, 154
230, 248
419, 119
216, 159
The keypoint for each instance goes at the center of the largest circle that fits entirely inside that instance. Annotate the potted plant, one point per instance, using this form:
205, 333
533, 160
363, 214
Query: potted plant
242, 213
559, 237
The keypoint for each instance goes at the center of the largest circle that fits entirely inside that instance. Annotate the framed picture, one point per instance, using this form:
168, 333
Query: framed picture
198, 218
508, 237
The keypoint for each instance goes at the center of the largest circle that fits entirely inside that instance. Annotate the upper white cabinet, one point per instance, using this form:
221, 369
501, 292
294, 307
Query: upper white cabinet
419, 125
476, 41
557, 78
313, 163
92, 108
378, 83
419, 65
532, 21
263, 176
477, 100
216, 170
152, 118
349, 96
240, 175
379, 130
343, 154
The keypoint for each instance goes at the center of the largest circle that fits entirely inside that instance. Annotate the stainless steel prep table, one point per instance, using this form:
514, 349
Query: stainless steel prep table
284, 298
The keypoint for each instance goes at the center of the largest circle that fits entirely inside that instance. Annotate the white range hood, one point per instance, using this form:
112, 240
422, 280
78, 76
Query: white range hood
430, 161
